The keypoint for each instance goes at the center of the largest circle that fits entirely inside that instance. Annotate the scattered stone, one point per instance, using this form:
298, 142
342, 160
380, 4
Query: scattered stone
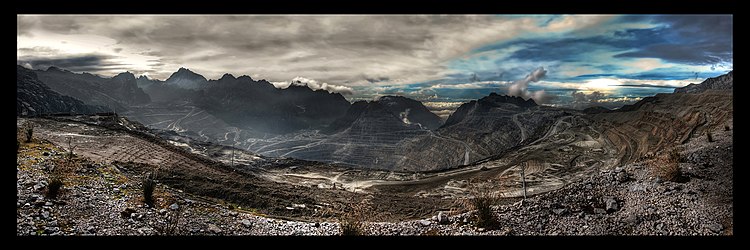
246, 223
714, 227
163, 211
442, 218
116, 190
611, 204
559, 211
599, 210
174, 206
424, 223
232, 213
214, 229
636, 187
127, 212
622, 177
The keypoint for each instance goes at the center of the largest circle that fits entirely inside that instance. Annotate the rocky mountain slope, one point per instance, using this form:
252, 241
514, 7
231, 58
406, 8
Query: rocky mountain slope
118, 92
258, 105
720, 82
34, 98
408, 114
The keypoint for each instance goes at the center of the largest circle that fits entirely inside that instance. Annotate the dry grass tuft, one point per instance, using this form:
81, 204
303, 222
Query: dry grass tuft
353, 222
482, 200
667, 165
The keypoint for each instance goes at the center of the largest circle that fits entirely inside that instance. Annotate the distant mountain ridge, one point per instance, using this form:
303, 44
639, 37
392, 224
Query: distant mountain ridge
484, 104
117, 92
401, 112
247, 103
35, 98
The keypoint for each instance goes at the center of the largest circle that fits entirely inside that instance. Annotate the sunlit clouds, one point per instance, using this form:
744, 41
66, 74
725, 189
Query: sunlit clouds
432, 58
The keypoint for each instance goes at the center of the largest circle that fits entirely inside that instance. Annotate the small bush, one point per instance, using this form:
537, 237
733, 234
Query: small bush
668, 165
482, 202
148, 191
708, 135
172, 224
353, 222
29, 134
54, 186
726, 128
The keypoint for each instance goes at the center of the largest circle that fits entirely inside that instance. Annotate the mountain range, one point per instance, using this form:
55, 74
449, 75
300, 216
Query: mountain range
391, 132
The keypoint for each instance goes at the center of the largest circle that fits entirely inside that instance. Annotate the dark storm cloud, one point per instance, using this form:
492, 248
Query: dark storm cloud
89, 63
693, 39
401, 48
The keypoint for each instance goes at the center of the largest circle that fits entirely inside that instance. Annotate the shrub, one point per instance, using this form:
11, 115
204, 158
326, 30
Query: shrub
708, 135
29, 134
667, 165
148, 191
726, 128
353, 222
171, 227
482, 202
54, 186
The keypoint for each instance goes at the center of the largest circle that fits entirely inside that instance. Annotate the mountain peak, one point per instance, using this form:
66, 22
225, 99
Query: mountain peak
126, 75
227, 76
185, 78
245, 77
56, 69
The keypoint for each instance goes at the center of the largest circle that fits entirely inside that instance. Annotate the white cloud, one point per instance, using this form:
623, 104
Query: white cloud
314, 85
520, 88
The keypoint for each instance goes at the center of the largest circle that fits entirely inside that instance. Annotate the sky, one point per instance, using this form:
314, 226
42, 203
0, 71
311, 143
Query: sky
442, 60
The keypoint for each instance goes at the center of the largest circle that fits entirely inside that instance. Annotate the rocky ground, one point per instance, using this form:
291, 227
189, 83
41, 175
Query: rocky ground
101, 198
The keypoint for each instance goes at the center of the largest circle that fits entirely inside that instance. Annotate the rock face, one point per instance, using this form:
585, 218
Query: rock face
408, 114
35, 98
117, 92
486, 104
720, 82
482, 128
411, 111
162, 93
246, 103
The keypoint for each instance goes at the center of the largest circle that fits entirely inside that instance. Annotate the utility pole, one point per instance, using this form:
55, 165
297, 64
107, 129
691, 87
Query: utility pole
232, 157
523, 180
